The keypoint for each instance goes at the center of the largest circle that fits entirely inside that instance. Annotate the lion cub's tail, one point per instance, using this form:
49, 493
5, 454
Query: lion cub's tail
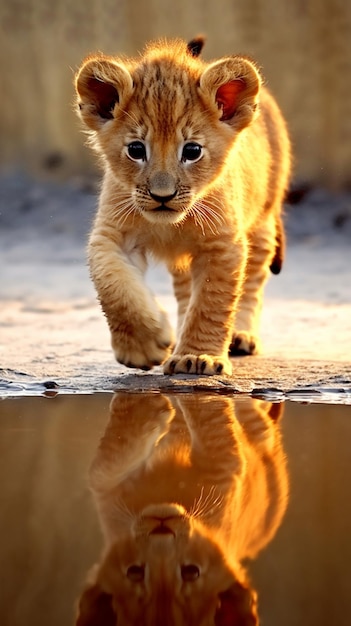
279, 252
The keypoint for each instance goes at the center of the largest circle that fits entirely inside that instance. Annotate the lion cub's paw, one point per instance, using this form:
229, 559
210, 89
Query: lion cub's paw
143, 348
244, 342
197, 364
140, 355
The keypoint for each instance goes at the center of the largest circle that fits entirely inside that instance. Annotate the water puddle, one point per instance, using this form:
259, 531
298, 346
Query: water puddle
174, 508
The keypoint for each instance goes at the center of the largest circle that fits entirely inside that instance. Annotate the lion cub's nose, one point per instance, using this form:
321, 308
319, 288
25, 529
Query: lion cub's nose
162, 198
162, 187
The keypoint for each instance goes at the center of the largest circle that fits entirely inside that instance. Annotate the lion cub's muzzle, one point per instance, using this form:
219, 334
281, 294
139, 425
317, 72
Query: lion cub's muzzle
162, 188
164, 205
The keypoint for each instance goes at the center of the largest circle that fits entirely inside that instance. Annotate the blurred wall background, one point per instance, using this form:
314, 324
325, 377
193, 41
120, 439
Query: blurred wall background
303, 47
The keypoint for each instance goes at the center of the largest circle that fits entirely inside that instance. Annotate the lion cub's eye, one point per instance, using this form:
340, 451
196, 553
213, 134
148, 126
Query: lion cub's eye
189, 572
191, 152
136, 151
135, 573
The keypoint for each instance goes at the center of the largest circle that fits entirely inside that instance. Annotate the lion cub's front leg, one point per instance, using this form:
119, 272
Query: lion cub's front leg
140, 331
216, 278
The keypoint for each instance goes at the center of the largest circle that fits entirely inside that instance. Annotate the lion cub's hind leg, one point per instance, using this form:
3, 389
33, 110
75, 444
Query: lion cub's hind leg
266, 252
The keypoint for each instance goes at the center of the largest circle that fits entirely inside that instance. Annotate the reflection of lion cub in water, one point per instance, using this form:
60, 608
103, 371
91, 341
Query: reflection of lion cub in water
196, 165
185, 491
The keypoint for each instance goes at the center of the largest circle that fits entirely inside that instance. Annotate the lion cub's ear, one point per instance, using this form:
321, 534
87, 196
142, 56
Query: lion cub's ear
95, 608
101, 84
237, 607
232, 85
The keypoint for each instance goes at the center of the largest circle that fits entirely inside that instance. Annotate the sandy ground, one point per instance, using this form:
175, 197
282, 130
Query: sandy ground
52, 329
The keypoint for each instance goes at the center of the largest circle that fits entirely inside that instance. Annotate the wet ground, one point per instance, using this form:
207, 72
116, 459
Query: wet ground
72, 465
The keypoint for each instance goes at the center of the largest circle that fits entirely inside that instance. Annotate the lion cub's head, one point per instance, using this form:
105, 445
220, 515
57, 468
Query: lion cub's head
167, 571
165, 124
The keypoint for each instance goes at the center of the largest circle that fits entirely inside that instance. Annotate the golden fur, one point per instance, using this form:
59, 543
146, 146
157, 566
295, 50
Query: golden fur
186, 487
196, 158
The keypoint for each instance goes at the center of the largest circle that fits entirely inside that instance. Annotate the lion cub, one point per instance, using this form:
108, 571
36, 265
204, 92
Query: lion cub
197, 160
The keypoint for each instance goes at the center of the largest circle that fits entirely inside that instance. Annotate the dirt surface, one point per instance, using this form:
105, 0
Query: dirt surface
53, 334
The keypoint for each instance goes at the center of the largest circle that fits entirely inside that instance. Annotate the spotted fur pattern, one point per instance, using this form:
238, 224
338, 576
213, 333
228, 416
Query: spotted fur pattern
196, 160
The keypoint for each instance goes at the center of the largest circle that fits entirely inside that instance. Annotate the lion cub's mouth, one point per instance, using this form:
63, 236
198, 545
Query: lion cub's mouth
162, 529
163, 213
163, 207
